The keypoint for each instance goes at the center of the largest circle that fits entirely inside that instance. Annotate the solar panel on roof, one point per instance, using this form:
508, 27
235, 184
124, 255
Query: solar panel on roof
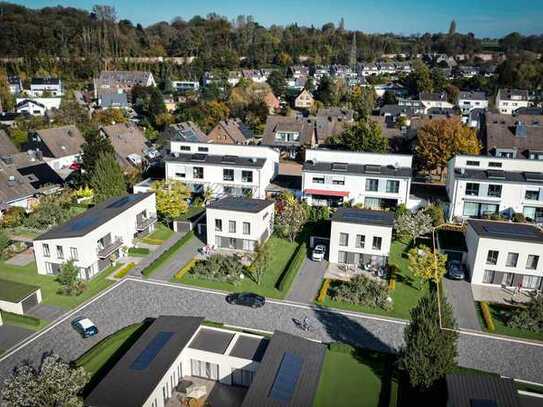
507, 229
152, 349
83, 223
339, 166
119, 203
286, 378
362, 215
189, 135
229, 159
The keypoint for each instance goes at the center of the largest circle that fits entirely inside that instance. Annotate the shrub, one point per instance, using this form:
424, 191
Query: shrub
361, 290
138, 251
393, 276
487, 316
150, 240
287, 277
13, 217
437, 214
323, 292
219, 268
4, 241
124, 271
530, 316
518, 217
189, 265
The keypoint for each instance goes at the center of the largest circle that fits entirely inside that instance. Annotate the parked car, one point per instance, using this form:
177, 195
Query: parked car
456, 270
246, 299
84, 326
318, 252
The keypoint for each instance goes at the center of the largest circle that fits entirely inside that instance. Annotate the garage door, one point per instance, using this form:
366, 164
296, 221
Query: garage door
30, 302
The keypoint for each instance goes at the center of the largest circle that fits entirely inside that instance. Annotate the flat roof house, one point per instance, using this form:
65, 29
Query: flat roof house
224, 169
467, 101
435, 100
480, 186
361, 237
505, 254
94, 239
379, 181
39, 86
177, 356
18, 298
482, 390
239, 223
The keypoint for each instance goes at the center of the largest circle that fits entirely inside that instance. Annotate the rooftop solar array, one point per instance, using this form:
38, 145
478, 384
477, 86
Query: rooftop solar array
229, 159
363, 216
248, 347
505, 229
286, 378
189, 135
241, 204
210, 340
339, 166
145, 358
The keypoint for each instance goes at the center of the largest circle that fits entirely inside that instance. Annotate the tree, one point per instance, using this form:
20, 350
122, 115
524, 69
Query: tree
389, 98
430, 352
362, 101
262, 257
439, 82
419, 80
363, 136
4, 241
326, 91
7, 101
95, 145
54, 384
452, 93
290, 216
277, 82
413, 225
68, 278
530, 315
452, 27
107, 178
435, 211
171, 198
439, 140
108, 117
18, 135
426, 265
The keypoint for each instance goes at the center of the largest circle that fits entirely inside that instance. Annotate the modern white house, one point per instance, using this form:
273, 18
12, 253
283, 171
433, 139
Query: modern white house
184, 86
361, 237
467, 101
224, 169
39, 86
18, 298
435, 100
179, 356
30, 106
481, 185
378, 181
239, 223
509, 100
97, 237
505, 254
59, 146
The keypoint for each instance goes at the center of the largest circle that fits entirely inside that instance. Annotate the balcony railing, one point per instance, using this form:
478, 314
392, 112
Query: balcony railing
107, 250
145, 223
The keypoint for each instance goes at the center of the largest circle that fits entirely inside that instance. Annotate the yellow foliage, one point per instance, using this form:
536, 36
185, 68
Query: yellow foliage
171, 198
487, 316
124, 271
323, 292
184, 270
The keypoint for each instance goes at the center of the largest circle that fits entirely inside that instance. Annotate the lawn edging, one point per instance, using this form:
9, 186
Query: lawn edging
167, 254
289, 274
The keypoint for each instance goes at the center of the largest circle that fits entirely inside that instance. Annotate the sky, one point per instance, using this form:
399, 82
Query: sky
485, 18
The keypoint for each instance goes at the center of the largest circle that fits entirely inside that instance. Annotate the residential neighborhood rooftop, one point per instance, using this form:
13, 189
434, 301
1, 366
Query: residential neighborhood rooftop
241, 204
523, 133
507, 230
222, 160
62, 141
481, 390
363, 217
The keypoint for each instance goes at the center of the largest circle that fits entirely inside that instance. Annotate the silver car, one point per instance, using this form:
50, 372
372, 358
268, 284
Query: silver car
318, 252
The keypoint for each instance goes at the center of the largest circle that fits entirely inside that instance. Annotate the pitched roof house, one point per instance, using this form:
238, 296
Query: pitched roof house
128, 141
289, 133
231, 131
7, 147
304, 100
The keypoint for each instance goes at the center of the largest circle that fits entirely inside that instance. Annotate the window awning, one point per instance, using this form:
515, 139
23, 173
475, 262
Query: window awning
325, 192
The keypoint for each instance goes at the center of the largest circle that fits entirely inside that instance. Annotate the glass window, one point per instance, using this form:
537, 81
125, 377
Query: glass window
488, 276
512, 260
533, 195
472, 189
494, 190
203, 149
472, 163
198, 172
60, 252
531, 264
338, 181
393, 186
46, 252
343, 239
372, 184
507, 279
180, 174
489, 209
372, 203
246, 176
232, 226
184, 148
471, 209
360, 240
318, 180
218, 225
531, 282
228, 174
492, 257
494, 164
342, 257
246, 228
73, 253
377, 242
533, 214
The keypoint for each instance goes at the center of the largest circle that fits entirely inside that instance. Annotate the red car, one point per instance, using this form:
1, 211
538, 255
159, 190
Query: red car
75, 166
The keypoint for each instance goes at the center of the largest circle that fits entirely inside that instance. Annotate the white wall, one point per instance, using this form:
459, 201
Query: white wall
467, 105
353, 229
62, 162
49, 103
331, 156
17, 307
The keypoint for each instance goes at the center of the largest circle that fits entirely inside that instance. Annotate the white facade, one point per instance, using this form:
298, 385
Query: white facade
467, 104
92, 252
31, 107
480, 185
54, 88
227, 169
35, 109
440, 104
182, 86
236, 230
507, 102
504, 262
374, 180
17, 307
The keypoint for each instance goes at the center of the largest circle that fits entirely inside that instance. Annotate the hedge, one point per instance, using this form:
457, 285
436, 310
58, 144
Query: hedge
323, 292
124, 271
288, 275
340, 347
167, 254
184, 270
487, 316
138, 251
392, 280
20, 319
150, 240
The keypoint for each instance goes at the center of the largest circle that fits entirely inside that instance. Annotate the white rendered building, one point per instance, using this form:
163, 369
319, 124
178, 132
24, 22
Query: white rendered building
239, 223
481, 185
505, 254
509, 100
361, 237
95, 239
435, 100
39, 86
226, 169
467, 101
332, 177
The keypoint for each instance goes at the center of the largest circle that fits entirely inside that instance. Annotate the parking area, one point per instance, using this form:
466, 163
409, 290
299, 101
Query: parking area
46, 312
460, 297
308, 281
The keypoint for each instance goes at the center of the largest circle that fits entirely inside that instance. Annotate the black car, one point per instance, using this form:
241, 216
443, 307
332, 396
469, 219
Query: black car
456, 270
246, 299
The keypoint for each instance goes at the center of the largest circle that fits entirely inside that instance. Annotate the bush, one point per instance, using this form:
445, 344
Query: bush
287, 277
530, 316
124, 271
518, 217
323, 292
20, 319
437, 214
218, 268
190, 264
361, 290
13, 217
487, 316
138, 251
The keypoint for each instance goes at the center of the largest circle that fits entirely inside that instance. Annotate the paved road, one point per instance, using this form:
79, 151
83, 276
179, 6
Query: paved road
46, 312
187, 252
10, 335
308, 281
132, 300
460, 297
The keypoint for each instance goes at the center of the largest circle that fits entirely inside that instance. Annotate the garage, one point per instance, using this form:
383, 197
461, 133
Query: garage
29, 302
18, 298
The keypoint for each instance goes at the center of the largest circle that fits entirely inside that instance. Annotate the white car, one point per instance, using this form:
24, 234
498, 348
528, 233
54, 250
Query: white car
318, 252
85, 327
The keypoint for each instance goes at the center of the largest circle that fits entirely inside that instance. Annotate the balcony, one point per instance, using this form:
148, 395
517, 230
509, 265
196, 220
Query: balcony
108, 249
143, 224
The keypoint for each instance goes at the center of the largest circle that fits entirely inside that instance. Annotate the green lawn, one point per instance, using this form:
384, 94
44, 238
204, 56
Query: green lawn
499, 313
360, 378
161, 233
23, 321
192, 212
404, 297
282, 251
28, 275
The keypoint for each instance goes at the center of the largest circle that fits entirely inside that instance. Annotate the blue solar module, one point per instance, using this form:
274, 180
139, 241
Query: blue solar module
83, 223
286, 378
122, 201
151, 350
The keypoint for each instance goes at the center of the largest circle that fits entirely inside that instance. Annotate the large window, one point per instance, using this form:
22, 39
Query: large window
377, 242
532, 195
318, 180
246, 176
372, 185
343, 239
232, 226
46, 252
507, 279
494, 190
360, 240
218, 225
60, 252
393, 186
242, 377
512, 260
492, 257
472, 189
73, 253
477, 210
198, 172
532, 262
338, 181
533, 214
207, 370
228, 174
531, 282
488, 276
246, 228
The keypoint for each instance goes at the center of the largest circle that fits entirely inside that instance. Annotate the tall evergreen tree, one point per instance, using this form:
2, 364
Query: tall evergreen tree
430, 352
107, 179
95, 145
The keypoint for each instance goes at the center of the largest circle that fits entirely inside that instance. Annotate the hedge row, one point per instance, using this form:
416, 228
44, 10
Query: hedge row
487, 316
20, 319
393, 276
185, 269
323, 292
150, 240
138, 251
288, 275
124, 271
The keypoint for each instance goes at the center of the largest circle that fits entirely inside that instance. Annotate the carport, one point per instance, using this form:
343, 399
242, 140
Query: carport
18, 298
